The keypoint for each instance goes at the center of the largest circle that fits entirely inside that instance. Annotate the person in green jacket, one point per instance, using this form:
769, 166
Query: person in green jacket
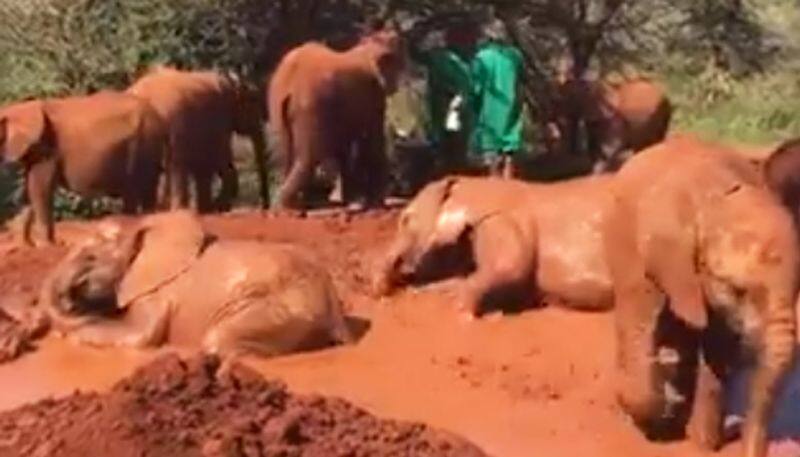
449, 71
497, 73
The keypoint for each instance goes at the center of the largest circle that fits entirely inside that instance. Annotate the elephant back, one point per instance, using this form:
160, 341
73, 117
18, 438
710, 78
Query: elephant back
172, 243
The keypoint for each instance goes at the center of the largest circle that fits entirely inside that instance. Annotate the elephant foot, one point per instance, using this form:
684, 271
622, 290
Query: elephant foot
705, 427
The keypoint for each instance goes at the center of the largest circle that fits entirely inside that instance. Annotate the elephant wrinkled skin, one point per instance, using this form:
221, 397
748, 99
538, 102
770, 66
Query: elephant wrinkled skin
167, 280
543, 237
106, 144
323, 104
693, 231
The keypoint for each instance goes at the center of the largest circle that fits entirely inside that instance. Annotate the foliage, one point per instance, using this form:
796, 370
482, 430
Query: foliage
730, 65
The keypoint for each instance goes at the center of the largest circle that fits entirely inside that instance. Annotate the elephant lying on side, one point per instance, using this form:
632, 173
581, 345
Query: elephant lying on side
693, 231
108, 143
167, 280
523, 236
618, 118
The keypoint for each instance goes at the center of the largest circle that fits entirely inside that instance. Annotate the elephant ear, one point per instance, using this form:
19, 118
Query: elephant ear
161, 249
25, 126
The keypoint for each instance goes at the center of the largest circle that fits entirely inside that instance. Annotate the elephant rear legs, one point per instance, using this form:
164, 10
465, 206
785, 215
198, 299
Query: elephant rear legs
40, 182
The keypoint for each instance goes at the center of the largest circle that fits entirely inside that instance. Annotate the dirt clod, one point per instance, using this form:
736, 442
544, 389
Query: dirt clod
176, 407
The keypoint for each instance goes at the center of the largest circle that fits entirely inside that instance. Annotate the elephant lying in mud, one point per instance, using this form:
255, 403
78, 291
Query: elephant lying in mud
693, 232
168, 280
519, 236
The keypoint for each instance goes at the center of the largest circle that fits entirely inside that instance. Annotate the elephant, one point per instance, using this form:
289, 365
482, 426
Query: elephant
328, 106
519, 236
692, 236
618, 118
109, 144
781, 174
203, 109
167, 280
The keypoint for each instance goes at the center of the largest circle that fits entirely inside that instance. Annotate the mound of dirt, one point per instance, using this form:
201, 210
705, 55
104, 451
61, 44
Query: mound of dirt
174, 407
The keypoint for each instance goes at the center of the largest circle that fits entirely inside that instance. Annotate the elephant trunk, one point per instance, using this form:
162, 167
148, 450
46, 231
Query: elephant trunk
395, 268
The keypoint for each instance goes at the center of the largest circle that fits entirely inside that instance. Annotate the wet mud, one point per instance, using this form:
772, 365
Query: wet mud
537, 383
198, 407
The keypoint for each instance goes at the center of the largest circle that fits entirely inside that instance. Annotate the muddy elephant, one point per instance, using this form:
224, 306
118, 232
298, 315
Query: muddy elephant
327, 107
203, 109
510, 235
617, 119
106, 144
694, 239
167, 280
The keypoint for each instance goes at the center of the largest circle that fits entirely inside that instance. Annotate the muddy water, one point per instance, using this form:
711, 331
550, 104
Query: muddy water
58, 368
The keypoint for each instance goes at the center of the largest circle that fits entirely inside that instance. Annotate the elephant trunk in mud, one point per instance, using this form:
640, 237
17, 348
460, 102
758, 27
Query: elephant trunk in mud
168, 281
695, 236
505, 236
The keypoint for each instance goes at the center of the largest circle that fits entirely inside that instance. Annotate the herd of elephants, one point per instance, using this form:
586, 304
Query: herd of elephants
693, 246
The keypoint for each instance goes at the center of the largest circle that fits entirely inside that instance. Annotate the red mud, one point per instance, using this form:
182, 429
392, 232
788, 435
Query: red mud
175, 408
539, 383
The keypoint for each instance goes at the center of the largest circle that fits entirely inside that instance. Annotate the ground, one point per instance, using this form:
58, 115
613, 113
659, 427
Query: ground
538, 383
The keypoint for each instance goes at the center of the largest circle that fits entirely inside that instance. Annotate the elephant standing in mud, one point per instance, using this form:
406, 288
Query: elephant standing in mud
328, 107
628, 116
693, 237
203, 110
168, 281
106, 144
520, 237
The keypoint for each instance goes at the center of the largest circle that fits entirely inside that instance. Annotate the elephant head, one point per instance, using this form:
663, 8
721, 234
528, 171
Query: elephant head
384, 50
83, 286
24, 129
429, 232
107, 273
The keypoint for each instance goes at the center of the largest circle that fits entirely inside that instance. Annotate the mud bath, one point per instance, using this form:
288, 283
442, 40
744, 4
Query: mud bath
540, 383
180, 408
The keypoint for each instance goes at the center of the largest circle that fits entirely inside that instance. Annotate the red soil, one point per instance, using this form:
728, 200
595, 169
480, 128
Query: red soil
539, 383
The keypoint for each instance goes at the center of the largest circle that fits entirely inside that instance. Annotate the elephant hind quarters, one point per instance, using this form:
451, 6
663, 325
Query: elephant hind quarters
269, 326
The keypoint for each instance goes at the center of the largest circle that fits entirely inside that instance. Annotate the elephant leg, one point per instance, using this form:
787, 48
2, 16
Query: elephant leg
705, 425
230, 188
309, 143
179, 194
202, 188
40, 181
718, 359
374, 167
497, 268
145, 325
774, 358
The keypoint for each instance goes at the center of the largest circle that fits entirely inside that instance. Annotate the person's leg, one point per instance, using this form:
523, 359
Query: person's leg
509, 170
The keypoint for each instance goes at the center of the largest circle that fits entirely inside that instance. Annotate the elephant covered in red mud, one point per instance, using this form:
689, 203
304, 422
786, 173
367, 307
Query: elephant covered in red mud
168, 281
693, 238
619, 119
105, 144
520, 237
324, 104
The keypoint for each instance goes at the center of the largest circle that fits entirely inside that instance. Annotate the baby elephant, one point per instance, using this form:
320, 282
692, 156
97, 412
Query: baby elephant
168, 280
520, 238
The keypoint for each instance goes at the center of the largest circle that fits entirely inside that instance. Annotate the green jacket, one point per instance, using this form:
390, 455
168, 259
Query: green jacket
449, 75
496, 74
